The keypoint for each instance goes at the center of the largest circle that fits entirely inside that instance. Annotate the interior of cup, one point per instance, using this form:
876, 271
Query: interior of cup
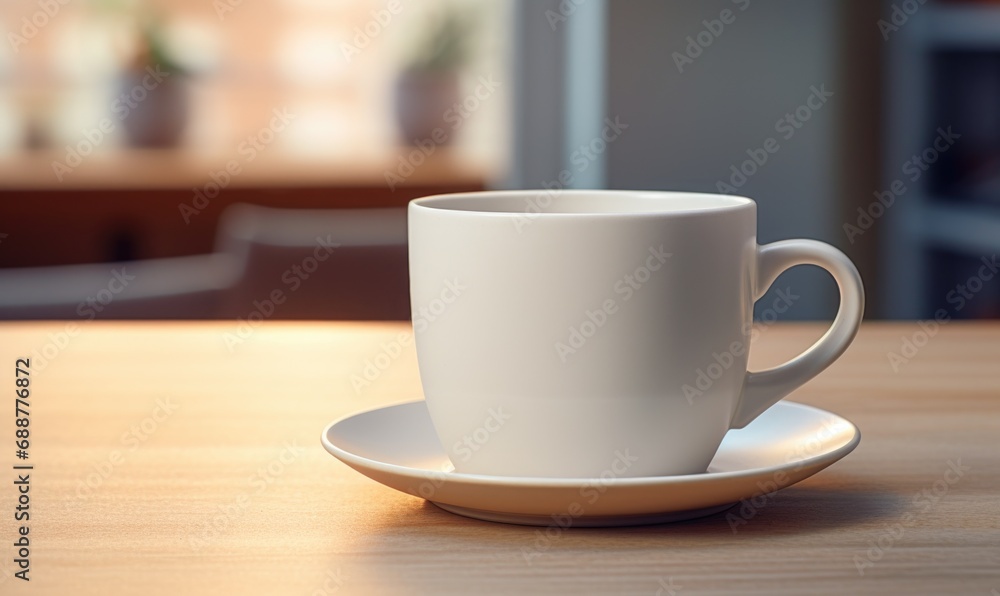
582, 202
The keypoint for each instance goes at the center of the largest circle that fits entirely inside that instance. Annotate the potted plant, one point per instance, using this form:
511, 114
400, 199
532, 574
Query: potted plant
428, 85
153, 103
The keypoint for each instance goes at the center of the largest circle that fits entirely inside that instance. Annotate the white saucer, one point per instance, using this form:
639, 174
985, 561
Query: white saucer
396, 446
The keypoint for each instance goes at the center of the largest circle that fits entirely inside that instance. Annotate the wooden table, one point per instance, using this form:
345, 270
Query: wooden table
166, 463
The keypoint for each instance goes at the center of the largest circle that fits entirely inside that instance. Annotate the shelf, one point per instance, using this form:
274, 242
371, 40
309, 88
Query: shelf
957, 26
146, 169
962, 227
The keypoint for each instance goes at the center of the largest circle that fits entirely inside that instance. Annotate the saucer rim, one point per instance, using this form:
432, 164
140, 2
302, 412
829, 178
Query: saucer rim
352, 460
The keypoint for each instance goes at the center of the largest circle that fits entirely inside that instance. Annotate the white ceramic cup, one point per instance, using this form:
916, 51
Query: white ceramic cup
598, 334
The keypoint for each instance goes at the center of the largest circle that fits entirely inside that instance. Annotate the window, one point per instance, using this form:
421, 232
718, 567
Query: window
329, 73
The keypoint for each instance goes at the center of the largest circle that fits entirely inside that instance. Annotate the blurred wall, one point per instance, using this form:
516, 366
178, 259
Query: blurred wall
698, 87
696, 108
537, 62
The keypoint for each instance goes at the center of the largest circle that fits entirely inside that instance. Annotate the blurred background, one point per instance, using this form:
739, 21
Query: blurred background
248, 159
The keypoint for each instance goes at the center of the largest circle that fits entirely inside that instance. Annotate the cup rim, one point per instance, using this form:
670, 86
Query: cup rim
458, 203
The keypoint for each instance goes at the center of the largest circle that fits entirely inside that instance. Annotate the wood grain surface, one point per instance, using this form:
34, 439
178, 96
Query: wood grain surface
185, 459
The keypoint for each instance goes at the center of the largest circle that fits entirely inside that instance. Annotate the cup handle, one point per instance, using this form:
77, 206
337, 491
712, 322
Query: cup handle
763, 389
